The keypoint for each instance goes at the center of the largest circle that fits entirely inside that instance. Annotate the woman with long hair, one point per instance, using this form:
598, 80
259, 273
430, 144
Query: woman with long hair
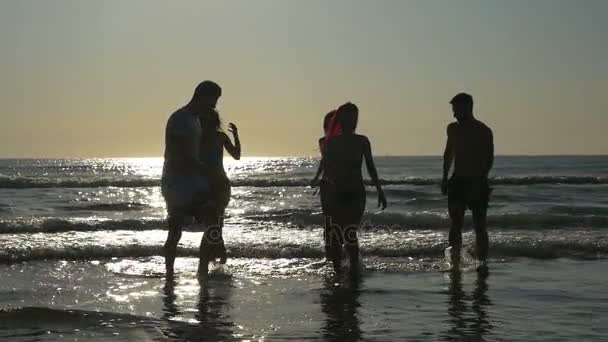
213, 143
344, 190
328, 125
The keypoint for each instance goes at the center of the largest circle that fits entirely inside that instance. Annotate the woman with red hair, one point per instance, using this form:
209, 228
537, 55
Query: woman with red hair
344, 194
331, 129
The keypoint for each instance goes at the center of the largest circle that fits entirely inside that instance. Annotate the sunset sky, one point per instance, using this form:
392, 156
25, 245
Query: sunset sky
100, 78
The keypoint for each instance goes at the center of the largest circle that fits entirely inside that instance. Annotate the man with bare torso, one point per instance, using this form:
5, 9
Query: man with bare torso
470, 146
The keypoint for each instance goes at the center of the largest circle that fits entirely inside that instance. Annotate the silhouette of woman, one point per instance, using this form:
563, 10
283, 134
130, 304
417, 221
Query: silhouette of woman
212, 155
344, 191
327, 125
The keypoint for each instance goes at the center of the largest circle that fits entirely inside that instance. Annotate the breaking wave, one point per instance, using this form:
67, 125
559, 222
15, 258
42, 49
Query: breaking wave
12, 182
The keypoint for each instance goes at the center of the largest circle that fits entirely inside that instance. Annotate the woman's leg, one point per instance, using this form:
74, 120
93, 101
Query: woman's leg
224, 201
207, 216
351, 240
222, 246
333, 242
351, 243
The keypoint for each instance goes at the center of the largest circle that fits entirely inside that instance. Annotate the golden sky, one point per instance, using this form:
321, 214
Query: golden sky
100, 78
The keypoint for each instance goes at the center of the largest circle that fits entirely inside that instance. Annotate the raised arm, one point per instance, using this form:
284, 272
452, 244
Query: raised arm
373, 174
448, 157
233, 149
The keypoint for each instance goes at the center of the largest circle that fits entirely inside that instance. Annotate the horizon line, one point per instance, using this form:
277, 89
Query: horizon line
316, 157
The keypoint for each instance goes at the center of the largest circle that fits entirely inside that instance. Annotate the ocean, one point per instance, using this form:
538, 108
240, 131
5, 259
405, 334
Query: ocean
80, 245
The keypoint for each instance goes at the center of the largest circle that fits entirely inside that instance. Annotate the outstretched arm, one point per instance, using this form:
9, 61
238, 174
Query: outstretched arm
233, 149
448, 157
373, 174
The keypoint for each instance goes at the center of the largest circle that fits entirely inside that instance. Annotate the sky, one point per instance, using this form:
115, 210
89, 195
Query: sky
83, 78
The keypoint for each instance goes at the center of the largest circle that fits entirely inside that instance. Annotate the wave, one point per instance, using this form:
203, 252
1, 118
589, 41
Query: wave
54, 225
41, 182
76, 325
578, 210
127, 206
306, 219
13, 182
529, 247
434, 221
404, 193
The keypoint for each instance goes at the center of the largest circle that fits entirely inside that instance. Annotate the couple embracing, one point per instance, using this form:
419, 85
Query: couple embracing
194, 182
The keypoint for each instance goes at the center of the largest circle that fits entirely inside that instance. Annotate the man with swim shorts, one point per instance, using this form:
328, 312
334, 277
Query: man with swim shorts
470, 146
184, 184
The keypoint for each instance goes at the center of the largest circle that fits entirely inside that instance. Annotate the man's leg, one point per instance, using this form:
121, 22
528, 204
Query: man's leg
457, 218
481, 232
457, 206
175, 221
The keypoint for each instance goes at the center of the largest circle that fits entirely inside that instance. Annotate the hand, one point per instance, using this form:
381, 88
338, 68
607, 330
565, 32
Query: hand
444, 187
233, 129
381, 200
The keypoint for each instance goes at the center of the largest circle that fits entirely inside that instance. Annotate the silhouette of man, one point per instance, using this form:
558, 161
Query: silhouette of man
470, 146
184, 184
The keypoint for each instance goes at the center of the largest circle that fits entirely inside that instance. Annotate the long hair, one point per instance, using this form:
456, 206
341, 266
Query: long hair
343, 119
332, 127
211, 121
348, 116
205, 89
327, 120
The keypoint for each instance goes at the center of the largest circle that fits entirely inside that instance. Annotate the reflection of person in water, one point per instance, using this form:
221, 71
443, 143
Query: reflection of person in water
340, 303
468, 325
214, 322
480, 303
170, 309
212, 305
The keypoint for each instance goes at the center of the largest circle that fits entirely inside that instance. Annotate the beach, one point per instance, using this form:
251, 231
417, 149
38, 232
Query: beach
81, 244
520, 300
